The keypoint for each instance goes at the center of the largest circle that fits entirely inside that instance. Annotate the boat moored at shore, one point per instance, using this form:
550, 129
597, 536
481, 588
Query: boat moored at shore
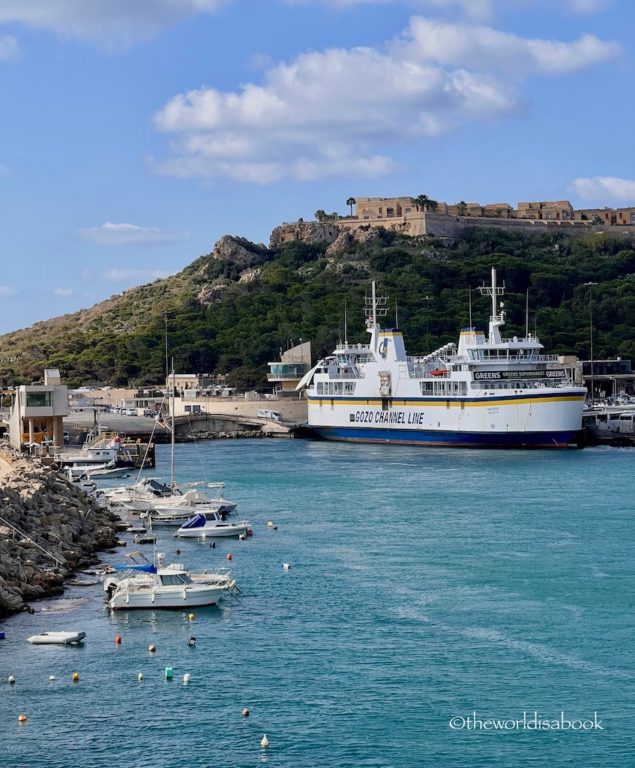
484, 392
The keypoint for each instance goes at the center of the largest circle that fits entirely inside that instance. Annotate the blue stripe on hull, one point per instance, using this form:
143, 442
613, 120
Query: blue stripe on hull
455, 439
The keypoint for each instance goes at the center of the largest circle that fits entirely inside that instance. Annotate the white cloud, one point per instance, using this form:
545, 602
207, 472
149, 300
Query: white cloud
327, 113
130, 234
135, 275
63, 291
113, 22
603, 189
484, 48
7, 290
310, 117
9, 47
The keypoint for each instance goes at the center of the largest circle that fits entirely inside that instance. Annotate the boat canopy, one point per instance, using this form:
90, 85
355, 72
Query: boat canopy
197, 521
143, 567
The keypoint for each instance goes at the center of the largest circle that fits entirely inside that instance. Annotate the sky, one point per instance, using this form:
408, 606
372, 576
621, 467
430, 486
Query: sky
135, 133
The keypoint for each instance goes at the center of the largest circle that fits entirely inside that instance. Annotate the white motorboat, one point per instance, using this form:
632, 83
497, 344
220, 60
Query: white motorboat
57, 638
211, 525
140, 565
170, 587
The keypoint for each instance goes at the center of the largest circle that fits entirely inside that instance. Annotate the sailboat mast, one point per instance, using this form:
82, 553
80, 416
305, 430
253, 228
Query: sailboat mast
172, 430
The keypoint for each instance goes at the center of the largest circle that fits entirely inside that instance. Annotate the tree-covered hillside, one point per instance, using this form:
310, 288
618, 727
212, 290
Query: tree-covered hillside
233, 314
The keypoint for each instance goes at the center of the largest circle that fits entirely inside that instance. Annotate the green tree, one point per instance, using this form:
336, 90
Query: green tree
351, 202
320, 214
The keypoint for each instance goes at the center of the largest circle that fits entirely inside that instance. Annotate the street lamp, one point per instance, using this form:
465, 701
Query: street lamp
591, 337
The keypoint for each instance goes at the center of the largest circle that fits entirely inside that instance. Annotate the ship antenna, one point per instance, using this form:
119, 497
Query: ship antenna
527, 314
469, 303
345, 324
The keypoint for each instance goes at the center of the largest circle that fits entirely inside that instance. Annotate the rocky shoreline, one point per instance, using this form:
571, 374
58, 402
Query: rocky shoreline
48, 530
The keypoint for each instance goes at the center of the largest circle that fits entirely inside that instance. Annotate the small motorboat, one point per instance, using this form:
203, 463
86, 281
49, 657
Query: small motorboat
170, 587
57, 638
210, 524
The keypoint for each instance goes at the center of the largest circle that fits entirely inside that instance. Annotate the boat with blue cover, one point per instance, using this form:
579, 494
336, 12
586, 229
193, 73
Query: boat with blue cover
211, 524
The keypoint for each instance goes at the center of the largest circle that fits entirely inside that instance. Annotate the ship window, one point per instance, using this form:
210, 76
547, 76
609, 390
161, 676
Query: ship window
320, 388
385, 404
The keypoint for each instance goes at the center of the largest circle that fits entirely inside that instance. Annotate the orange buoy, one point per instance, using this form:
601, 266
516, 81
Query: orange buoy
22, 718
229, 556
118, 640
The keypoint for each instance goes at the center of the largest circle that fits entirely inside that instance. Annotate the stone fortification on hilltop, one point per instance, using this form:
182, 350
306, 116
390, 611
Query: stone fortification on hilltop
54, 514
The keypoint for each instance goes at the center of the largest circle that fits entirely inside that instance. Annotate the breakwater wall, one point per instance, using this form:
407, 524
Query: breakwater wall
48, 529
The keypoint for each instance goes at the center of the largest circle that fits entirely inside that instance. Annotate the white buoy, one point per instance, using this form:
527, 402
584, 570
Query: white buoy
264, 742
270, 524
11, 679
186, 678
51, 678
286, 566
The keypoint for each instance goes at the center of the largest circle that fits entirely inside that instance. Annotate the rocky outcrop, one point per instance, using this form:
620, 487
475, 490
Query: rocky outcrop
210, 294
310, 232
237, 250
250, 275
348, 240
49, 528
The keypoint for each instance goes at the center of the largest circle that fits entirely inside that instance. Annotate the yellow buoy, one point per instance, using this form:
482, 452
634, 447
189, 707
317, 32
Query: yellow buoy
190, 617
152, 648
140, 676
264, 742
75, 677
22, 718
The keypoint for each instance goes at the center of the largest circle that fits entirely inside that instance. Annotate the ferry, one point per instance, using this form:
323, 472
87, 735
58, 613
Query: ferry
489, 392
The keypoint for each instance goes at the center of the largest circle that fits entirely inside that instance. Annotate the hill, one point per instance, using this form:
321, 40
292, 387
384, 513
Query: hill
231, 311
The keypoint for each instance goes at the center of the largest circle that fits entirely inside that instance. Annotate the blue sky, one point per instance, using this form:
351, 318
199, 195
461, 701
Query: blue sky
135, 133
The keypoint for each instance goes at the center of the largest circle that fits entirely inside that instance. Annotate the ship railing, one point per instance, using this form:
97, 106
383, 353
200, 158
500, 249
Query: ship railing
498, 359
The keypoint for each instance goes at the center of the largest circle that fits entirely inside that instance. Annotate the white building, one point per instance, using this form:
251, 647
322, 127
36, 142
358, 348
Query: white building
38, 411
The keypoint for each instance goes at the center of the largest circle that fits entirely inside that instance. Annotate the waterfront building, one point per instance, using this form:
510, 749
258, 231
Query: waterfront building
38, 411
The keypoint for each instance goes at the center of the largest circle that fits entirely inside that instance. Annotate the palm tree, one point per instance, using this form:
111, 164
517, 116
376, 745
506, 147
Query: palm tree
432, 205
320, 214
420, 202
351, 202
462, 206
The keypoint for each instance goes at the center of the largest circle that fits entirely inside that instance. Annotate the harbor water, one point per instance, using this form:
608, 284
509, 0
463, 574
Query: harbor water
440, 607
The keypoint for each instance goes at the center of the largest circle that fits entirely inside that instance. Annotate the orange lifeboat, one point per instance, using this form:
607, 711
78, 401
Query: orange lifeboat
438, 372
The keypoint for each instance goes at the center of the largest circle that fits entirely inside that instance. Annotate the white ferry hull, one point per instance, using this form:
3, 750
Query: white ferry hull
483, 392
546, 420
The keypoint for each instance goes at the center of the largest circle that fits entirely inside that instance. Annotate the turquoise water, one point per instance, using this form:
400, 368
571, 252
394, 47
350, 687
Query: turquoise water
425, 584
